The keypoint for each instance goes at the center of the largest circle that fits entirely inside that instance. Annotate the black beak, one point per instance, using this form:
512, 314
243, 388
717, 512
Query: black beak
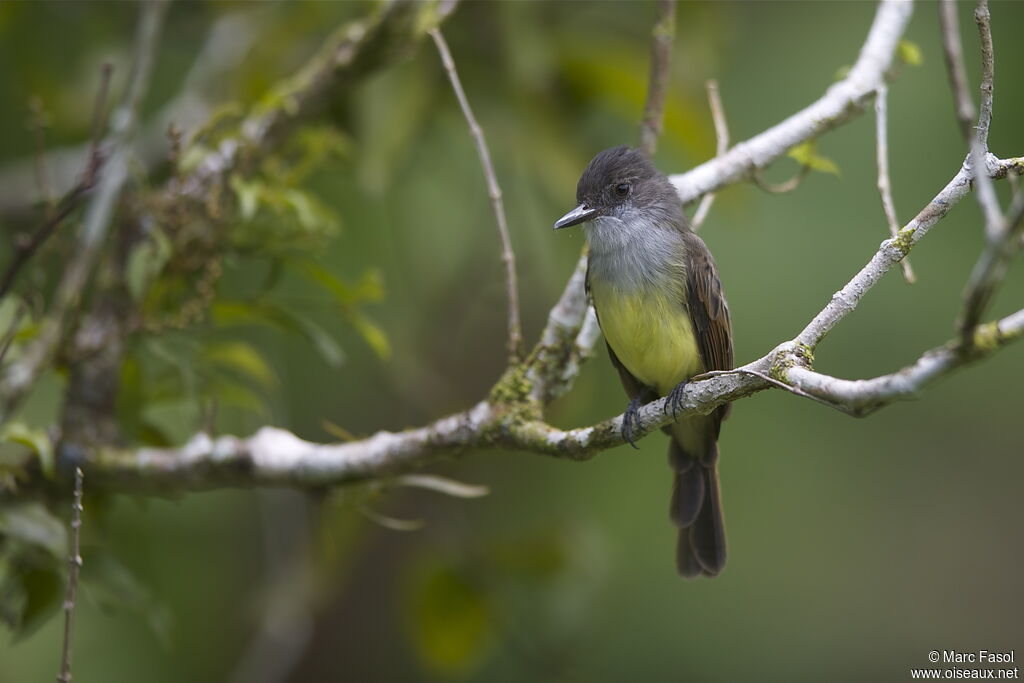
581, 214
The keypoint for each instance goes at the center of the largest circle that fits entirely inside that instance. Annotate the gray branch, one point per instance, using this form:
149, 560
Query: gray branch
843, 100
511, 417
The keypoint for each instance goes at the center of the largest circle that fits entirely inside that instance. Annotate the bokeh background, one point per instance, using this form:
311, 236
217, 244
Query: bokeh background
856, 546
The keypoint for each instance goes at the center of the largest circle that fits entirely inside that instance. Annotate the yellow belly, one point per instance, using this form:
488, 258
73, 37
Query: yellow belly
650, 333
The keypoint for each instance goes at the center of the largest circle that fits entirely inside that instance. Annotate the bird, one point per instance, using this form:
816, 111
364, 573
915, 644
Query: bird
659, 302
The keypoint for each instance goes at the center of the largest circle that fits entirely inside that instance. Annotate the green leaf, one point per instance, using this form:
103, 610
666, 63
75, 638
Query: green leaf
111, 586
227, 313
372, 334
910, 53
248, 195
322, 341
33, 525
230, 393
37, 440
341, 292
241, 357
316, 145
370, 288
305, 207
146, 261
42, 592
192, 157
807, 154
452, 621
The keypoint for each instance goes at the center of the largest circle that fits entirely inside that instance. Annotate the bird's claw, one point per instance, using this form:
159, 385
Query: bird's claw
631, 421
674, 401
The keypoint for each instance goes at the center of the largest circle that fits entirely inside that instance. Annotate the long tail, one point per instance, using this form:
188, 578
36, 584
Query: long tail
696, 502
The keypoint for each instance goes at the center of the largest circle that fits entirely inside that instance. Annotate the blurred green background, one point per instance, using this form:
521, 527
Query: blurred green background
856, 546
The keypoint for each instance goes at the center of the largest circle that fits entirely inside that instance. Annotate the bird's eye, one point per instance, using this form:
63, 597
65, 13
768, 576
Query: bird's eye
622, 189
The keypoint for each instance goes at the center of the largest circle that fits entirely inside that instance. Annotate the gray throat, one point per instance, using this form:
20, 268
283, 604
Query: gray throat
635, 253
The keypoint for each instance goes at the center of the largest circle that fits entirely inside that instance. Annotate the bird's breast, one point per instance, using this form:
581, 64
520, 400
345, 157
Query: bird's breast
650, 331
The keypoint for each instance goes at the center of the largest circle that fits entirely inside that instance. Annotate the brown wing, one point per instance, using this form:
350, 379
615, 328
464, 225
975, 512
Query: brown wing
709, 312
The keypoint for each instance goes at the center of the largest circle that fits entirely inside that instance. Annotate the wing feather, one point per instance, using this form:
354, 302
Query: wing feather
709, 311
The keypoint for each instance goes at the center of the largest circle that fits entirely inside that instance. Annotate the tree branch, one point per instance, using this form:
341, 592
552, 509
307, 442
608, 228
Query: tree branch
508, 257
953, 53
844, 99
893, 250
225, 47
868, 395
662, 37
722, 138
358, 48
69, 202
74, 567
511, 416
882, 158
19, 377
983, 18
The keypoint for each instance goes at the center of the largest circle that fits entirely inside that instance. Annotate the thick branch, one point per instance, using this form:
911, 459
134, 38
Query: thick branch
274, 457
510, 418
843, 100
867, 395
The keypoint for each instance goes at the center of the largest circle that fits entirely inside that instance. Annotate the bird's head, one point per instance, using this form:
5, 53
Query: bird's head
622, 183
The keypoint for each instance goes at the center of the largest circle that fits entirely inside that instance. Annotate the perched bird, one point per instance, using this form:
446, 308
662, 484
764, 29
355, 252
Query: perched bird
660, 306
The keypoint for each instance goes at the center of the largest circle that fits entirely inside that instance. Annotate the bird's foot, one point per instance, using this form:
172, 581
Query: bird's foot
631, 421
674, 400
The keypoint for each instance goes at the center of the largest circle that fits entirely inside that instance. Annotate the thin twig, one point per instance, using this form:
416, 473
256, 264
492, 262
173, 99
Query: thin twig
37, 122
955, 66
448, 487
662, 36
100, 107
989, 272
13, 329
69, 202
722, 138
983, 18
783, 187
884, 185
995, 222
74, 567
976, 138
392, 523
508, 257
843, 100
17, 379
1000, 228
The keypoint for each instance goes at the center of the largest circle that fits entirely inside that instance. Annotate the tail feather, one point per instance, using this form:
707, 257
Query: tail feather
697, 510
686, 562
687, 495
707, 535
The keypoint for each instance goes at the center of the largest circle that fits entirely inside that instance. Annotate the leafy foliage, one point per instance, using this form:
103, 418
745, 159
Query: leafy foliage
807, 154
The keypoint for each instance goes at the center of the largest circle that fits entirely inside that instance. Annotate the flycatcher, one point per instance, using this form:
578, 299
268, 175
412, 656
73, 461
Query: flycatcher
660, 306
